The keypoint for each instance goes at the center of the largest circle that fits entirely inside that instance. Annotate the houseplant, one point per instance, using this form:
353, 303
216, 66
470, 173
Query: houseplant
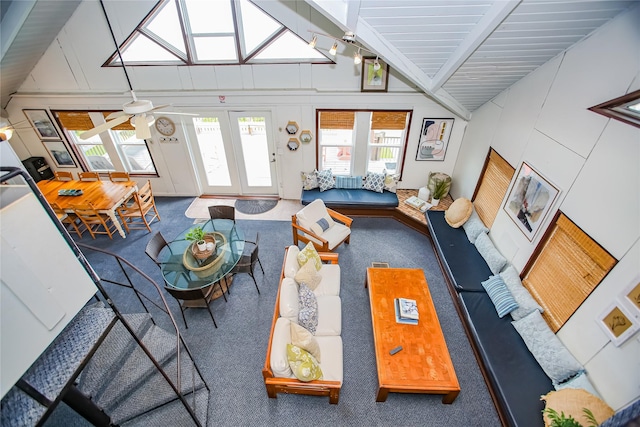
197, 234
440, 187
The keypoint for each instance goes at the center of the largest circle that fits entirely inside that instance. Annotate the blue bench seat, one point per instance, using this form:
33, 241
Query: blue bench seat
351, 198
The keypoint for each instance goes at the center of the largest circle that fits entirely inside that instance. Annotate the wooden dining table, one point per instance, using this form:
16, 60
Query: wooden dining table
105, 196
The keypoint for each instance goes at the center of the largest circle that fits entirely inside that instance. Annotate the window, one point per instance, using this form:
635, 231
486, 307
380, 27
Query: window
353, 143
492, 187
117, 149
625, 108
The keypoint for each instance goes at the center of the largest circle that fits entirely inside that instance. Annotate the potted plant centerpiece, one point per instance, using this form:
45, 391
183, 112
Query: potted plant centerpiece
197, 234
439, 189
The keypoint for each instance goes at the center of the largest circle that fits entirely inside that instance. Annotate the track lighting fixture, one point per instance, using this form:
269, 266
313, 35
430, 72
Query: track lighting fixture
334, 48
348, 39
376, 64
314, 40
357, 57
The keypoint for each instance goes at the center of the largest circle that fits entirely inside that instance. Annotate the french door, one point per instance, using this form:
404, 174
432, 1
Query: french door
235, 153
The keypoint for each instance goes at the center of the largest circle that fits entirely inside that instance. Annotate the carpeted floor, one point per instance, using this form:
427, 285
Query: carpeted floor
231, 357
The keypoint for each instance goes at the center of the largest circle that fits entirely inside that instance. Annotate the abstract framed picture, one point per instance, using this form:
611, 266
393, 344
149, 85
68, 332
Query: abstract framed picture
631, 296
42, 124
530, 200
434, 139
617, 323
375, 75
59, 153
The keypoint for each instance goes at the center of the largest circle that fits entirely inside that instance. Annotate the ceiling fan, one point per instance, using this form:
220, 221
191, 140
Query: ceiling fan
138, 111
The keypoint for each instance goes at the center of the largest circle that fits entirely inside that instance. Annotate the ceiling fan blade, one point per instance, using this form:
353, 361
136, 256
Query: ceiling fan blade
115, 114
103, 127
142, 127
176, 114
160, 106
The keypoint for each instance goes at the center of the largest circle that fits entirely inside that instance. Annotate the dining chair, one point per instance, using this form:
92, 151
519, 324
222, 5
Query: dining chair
94, 221
222, 212
63, 176
155, 246
139, 211
70, 220
248, 262
183, 295
119, 176
88, 176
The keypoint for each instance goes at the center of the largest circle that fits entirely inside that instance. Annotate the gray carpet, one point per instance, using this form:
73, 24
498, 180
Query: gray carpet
231, 357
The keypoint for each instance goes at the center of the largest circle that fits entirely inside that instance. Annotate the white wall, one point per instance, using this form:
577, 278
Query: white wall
543, 120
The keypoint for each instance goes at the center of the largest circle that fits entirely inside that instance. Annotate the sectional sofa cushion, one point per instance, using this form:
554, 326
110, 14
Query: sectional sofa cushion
526, 303
349, 198
491, 255
289, 306
554, 358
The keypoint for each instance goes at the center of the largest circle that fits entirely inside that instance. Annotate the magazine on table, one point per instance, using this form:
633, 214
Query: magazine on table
408, 308
401, 319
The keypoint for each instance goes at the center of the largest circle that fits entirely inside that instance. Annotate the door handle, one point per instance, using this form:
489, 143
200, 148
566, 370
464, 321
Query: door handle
273, 158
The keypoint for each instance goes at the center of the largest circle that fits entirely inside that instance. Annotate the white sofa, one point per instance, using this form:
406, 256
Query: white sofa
277, 374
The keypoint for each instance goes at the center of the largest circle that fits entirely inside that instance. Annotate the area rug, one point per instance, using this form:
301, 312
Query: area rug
252, 207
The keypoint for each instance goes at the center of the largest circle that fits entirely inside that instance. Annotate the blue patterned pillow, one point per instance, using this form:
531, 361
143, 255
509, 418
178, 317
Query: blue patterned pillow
502, 299
374, 182
491, 255
308, 314
349, 182
325, 180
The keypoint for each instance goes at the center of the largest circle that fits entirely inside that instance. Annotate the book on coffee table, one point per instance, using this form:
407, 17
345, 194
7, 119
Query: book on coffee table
399, 317
408, 308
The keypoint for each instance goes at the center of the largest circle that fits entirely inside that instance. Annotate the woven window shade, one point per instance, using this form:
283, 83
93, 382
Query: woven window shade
392, 120
75, 120
337, 119
493, 186
122, 126
567, 269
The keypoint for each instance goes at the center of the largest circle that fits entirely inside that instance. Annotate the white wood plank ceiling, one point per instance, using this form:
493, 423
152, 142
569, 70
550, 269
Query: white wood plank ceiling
473, 49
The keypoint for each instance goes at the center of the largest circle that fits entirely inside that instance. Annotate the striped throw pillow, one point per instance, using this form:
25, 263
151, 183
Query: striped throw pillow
349, 182
500, 295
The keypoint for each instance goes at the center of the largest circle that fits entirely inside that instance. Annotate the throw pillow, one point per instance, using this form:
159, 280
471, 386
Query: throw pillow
459, 212
349, 182
305, 340
554, 358
374, 182
571, 401
526, 303
303, 365
308, 314
391, 182
309, 253
308, 275
474, 226
580, 381
491, 255
321, 225
325, 180
309, 180
500, 295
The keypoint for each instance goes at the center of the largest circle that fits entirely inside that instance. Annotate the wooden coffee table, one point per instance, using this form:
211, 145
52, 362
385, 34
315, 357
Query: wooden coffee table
424, 364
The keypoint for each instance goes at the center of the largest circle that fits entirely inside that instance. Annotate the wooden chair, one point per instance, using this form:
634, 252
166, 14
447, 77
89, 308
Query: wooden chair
222, 212
306, 227
95, 222
88, 176
248, 262
63, 176
182, 295
70, 220
136, 210
118, 176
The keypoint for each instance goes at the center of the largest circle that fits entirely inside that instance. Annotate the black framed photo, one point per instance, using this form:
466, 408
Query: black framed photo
60, 154
434, 139
375, 75
42, 124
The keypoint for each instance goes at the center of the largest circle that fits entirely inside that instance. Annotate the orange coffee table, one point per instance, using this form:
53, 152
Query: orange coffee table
424, 364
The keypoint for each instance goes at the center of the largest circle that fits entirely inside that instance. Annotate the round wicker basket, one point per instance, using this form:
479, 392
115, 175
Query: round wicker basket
213, 262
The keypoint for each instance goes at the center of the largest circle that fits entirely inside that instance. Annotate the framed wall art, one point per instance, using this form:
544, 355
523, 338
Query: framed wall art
375, 75
529, 200
434, 139
631, 297
42, 124
59, 153
617, 323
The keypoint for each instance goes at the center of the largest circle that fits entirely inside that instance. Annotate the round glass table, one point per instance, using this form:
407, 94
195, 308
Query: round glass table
181, 269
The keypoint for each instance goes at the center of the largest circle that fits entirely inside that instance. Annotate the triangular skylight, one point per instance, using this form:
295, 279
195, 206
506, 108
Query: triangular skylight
216, 33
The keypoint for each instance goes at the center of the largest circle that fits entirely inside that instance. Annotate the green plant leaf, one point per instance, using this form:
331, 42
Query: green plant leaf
196, 233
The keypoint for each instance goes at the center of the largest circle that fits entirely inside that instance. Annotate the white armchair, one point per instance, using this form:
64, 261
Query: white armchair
322, 226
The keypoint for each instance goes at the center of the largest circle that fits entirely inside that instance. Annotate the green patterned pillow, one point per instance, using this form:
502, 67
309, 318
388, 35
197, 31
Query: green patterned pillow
305, 367
309, 253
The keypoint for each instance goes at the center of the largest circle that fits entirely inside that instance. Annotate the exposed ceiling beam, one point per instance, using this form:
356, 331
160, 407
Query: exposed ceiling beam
483, 29
353, 11
338, 11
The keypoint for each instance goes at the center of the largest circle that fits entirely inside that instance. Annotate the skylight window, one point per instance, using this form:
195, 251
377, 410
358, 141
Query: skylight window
216, 32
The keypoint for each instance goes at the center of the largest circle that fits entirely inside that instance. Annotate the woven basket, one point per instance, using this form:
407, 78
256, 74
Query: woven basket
209, 267
198, 254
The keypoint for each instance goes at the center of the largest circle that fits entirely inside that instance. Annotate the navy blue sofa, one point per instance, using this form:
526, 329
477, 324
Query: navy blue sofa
515, 379
351, 198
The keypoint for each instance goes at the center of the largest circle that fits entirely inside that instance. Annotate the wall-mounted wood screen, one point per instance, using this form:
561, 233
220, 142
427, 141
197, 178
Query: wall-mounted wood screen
566, 267
492, 186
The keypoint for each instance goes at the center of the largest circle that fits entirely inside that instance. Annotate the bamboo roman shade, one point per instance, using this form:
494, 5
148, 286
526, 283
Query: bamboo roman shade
494, 183
568, 267
392, 120
337, 119
80, 120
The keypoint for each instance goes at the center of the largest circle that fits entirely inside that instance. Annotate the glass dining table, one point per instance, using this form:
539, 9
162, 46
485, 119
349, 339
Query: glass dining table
182, 268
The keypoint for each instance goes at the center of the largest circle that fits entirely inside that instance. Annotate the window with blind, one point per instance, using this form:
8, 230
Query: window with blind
115, 149
342, 136
566, 268
492, 187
